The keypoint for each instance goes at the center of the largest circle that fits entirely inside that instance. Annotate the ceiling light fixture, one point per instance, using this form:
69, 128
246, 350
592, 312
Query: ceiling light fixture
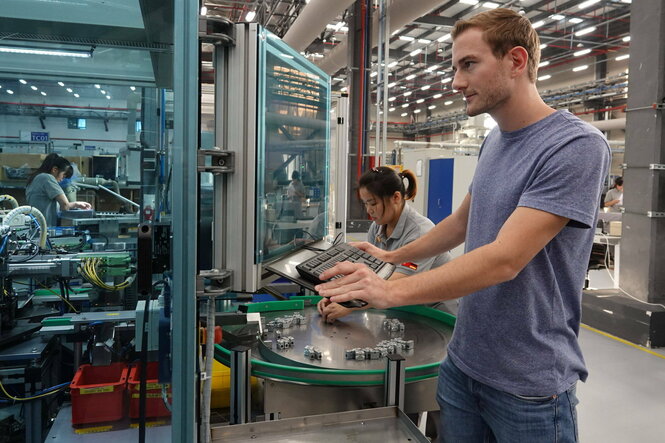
391, 109
622, 57
416, 52
420, 100
443, 38
133, 88
585, 31
416, 111
404, 114
43, 93
469, 2
405, 105
10, 92
33, 87
406, 38
424, 41
544, 77
392, 64
557, 17
446, 80
575, 20
76, 95
447, 103
543, 46
538, 24
431, 107
626, 38
410, 76
582, 52
69, 89
587, 3
392, 99
408, 93
437, 95
425, 88
545, 63
250, 16
490, 5
61, 84
23, 82
97, 86
580, 68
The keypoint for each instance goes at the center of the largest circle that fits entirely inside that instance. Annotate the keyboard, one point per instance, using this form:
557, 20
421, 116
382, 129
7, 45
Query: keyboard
312, 268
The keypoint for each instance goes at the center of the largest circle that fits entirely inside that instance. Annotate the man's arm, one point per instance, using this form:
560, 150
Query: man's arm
526, 232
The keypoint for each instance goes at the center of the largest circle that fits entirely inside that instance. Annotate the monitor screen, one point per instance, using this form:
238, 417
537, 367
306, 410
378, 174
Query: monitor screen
293, 155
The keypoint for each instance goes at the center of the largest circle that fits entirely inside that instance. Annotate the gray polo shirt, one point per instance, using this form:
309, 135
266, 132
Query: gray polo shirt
41, 194
614, 194
410, 226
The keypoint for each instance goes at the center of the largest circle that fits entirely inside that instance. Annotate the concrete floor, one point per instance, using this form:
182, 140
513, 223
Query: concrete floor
623, 400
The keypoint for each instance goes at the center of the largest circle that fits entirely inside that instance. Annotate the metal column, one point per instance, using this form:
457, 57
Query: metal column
241, 388
359, 57
394, 382
643, 230
185, 175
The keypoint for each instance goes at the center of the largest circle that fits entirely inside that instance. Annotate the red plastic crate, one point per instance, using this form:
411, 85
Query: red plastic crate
98, 393
154, 405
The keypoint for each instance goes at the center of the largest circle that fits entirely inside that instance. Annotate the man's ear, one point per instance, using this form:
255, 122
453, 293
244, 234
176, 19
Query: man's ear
519, 59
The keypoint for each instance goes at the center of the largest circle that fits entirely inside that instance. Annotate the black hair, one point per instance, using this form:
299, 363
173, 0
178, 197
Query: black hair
51, 161
295, 175
384, 182
618, 182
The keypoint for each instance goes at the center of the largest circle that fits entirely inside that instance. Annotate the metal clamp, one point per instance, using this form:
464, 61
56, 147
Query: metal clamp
655, 214
651, 166
654, 106
216, 30
221, 162
220, 282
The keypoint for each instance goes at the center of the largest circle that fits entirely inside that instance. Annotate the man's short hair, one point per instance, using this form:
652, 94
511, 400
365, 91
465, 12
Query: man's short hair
503, 29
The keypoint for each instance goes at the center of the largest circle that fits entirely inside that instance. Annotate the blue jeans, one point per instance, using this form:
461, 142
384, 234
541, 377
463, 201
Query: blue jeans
474, 412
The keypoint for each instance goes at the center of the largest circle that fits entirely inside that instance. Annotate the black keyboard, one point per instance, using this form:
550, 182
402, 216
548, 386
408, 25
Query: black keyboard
312, 268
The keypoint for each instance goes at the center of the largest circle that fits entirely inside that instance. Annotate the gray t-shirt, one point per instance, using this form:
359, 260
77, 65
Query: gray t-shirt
410, 226
521, 336
614, 194
41, 194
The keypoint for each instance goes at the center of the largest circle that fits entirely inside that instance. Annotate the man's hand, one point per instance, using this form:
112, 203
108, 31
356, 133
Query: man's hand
373, 250
331, 311
358, 282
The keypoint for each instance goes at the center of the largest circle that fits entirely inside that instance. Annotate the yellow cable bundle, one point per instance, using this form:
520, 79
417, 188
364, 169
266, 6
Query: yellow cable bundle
89, 272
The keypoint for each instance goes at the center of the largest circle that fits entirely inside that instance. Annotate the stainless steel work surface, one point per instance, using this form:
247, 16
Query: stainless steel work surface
379, 425
360, 329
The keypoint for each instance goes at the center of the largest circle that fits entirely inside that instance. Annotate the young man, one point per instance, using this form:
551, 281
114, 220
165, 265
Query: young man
514, 359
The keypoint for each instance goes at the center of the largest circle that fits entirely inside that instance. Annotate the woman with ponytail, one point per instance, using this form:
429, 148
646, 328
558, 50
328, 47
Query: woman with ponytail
43, 191
384, 193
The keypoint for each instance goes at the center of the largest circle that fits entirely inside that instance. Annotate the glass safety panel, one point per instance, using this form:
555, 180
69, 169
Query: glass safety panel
293, 144
86, 148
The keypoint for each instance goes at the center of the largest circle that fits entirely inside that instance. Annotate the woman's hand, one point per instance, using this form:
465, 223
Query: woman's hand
81, 205
331, 311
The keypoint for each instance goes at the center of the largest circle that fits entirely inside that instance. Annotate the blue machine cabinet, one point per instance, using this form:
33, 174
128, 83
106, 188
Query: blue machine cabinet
440, 189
